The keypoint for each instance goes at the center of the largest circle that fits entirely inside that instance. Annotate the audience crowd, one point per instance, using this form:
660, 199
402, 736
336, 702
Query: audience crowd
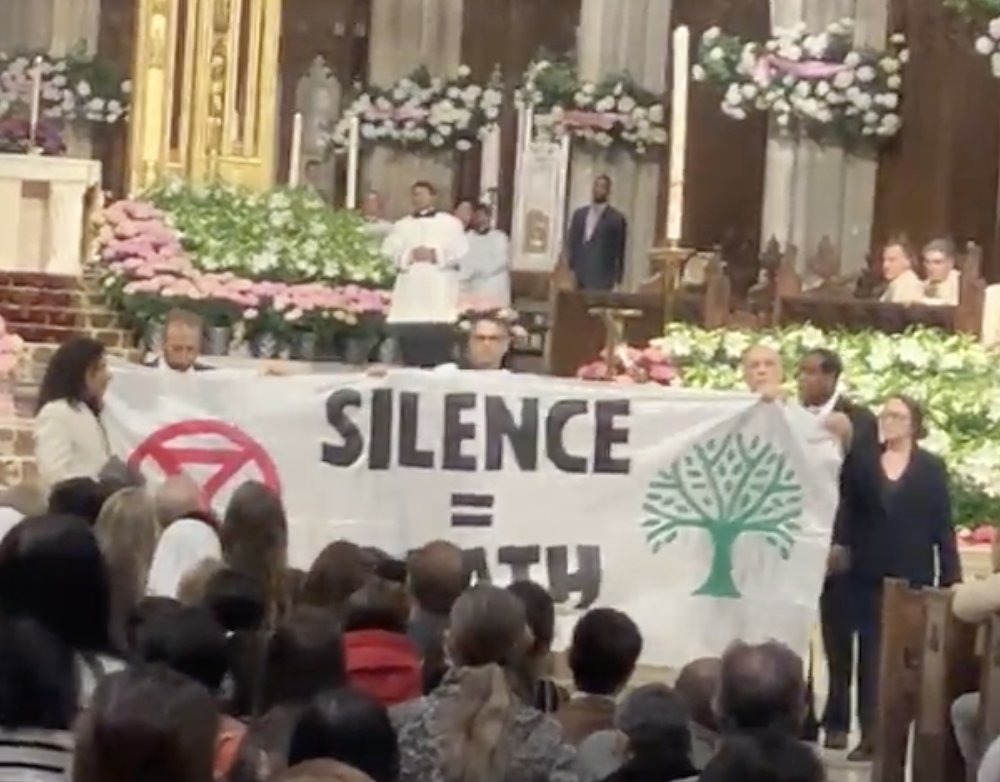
142, 638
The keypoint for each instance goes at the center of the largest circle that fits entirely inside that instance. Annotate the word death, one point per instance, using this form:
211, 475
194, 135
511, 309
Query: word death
476, 432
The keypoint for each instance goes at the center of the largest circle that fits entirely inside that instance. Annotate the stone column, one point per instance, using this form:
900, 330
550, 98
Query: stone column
614, 37
406, 34
811, 190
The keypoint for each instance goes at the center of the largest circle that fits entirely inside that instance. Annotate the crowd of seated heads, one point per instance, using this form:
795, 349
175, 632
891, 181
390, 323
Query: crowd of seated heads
171, 640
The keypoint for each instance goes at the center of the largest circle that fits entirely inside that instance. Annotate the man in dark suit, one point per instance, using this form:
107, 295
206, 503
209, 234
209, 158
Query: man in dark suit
182, 334
818, 376
596, 241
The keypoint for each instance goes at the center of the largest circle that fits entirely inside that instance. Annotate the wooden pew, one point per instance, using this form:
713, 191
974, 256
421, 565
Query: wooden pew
927, 659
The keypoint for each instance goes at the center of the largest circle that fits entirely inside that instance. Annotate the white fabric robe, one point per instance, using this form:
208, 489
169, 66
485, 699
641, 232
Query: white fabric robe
485, 270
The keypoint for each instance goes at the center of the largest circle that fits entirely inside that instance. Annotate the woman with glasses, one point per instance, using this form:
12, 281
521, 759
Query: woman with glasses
901, 541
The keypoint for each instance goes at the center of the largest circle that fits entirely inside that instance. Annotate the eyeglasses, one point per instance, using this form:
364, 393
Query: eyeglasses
892, 415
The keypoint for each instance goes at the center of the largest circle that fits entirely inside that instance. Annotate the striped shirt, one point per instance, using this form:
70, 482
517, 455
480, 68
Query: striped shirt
35, 755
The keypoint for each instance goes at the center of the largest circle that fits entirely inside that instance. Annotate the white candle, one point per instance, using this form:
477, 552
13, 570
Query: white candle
295, 161
678, 132
36, 100
353, 153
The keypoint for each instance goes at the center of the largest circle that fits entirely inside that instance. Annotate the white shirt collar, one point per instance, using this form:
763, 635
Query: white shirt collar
825, 409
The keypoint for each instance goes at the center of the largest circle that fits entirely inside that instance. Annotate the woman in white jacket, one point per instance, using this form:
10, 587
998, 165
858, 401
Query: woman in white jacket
70, 441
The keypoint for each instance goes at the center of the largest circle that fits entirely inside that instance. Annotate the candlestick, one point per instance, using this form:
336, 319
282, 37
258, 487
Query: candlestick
295, 161
353, 152
36, 101
678, 133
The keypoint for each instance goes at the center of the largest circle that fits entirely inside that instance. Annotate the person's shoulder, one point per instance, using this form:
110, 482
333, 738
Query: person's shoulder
56, 409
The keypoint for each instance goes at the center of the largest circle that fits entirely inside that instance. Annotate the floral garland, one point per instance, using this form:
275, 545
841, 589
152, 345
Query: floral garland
75, 88
632, 365
615, 113
424, 112
147, 272
820, 84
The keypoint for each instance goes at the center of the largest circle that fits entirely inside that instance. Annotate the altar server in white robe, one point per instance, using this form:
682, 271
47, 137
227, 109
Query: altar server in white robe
426, 247
485, 270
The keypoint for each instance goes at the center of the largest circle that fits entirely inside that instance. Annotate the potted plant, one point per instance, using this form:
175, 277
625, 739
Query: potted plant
220, 315
267, 331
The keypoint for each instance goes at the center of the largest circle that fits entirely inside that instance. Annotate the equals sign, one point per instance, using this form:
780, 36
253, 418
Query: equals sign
472, 510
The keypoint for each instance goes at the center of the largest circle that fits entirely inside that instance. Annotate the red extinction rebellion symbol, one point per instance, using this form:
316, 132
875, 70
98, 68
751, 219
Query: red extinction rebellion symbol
173, 449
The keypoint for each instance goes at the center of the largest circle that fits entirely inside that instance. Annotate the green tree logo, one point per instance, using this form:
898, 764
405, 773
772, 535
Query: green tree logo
728, 487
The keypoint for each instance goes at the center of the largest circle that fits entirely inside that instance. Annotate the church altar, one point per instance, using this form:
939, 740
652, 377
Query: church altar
44, 204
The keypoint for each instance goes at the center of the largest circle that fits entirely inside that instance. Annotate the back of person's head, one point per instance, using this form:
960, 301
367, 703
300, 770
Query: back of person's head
176, 497
604, 651
80, 497
147, 723
761, 688
191, 591
654, 719
304, 656
255, 539
764, 757
378, 605
351, 727
126, 532
437, 576
322, 771
51, 569
698, 685
339, 571
147, 610
488, 639
38, 687
187, 640
236, 600
540, 611
393, 570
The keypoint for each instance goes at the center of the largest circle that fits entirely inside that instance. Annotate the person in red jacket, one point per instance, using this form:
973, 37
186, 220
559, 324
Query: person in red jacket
381, 659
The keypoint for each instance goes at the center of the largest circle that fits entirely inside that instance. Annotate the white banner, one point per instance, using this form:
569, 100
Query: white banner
705, 516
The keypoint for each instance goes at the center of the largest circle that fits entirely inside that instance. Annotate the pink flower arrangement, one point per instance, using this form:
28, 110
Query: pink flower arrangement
633, 365
980, 536
11, 350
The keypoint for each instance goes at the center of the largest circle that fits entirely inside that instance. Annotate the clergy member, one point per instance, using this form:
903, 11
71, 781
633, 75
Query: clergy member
485, 270
373, 213
941, 287
903, 284
182, 333
426, 247
596, 241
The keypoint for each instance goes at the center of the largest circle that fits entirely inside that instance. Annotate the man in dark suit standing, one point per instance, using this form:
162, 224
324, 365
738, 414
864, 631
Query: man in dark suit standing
818, 376
596, 241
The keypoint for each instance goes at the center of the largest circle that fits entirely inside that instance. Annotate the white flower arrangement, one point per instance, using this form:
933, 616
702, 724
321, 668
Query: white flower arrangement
74, 88
988, 45
816, 83
952, 375
614, 113
423, 112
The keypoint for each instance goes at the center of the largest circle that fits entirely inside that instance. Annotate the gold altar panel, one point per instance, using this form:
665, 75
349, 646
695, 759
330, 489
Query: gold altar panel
206, 79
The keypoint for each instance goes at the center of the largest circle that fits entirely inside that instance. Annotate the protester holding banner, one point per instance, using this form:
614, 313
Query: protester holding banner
426, 247
70, 441
487, 340
182, 335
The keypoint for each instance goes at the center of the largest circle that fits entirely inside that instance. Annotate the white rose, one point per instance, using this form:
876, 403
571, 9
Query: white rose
749, 91
894, 82
656, 114
626, 104
994, 28
995, 64
783, 120
463, 145
83, 89
891, 123
733, 95
852, 60
866, 74
711, 34
816, 45
843, 80
464, 71
904, 56
897, 39
890, 100
822, 88
803, 89
870, 117
606, 104
985, 44
716, 54
698, 73
864, 101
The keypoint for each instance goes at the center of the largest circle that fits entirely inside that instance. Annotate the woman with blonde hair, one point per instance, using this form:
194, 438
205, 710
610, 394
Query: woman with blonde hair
255, 542
474, 727
126, 531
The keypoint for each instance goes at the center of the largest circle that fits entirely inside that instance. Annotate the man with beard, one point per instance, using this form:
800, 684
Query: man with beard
596, 241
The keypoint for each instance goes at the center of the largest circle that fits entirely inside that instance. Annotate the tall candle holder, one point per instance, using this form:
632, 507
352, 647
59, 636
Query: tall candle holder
614, 330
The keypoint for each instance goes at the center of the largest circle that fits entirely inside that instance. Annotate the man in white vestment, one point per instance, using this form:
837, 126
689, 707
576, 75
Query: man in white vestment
904, 286
941, 287
426, 247
485, 271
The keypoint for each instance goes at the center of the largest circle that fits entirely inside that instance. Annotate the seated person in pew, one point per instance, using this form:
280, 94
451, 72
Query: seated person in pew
903, 284
975, 602
941, 287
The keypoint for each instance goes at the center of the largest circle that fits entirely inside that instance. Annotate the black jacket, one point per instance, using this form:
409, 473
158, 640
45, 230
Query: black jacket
597, 263
914, 522
860, 492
